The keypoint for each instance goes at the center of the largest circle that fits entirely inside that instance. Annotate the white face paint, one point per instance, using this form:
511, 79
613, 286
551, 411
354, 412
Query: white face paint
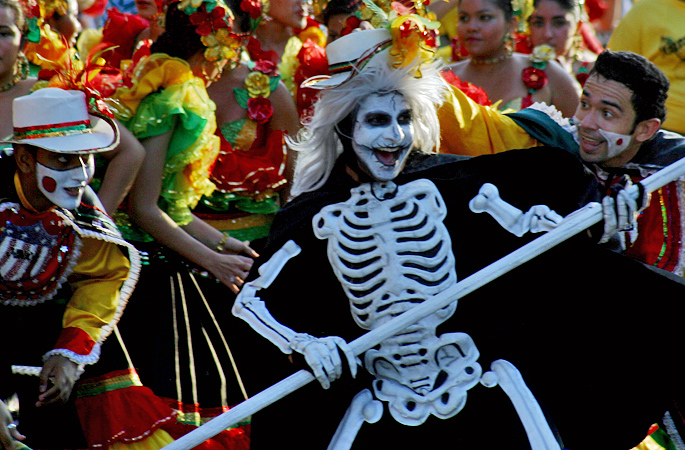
383, 135
616, 142
65, 188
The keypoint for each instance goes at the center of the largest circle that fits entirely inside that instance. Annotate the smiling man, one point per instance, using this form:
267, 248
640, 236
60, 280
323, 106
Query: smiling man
65, 271
616, 131
622, 107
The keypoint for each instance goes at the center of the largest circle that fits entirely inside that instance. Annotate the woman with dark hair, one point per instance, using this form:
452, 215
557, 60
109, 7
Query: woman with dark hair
14, 67
178, 317
254, 112
485, 28
559, 24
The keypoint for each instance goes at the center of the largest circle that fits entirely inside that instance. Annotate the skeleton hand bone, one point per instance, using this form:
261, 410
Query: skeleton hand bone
539, 218
323, 357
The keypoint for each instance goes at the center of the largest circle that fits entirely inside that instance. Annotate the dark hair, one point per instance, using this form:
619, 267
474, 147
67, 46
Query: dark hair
505, 6
646, 81
179, 38
573, 6
241, 23
19, 13
340, 7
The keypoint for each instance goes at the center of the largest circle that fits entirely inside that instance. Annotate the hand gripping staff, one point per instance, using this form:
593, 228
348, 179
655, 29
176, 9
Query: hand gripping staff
571, 225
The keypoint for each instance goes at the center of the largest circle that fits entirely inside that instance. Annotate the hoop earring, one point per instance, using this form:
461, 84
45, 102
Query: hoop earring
23, 66
576, 47
509, 44
206, 77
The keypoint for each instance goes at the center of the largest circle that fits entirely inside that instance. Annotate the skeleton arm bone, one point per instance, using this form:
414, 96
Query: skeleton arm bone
539, 218
320, 353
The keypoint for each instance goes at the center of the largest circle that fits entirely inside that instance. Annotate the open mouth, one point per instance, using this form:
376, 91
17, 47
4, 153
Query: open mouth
74, 191
386, 156
590, 143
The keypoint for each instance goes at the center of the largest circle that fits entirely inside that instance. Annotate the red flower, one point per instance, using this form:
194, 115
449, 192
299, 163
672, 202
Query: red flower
265, 66
254, 48
351, 24
472, 91
582, 77
208, 22
534, 78
312, 58
252, 7
259, 109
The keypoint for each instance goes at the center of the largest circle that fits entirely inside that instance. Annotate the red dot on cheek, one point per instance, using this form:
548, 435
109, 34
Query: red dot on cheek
619, 142
49, 184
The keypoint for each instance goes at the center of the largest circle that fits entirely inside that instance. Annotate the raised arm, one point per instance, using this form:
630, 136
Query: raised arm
199, 247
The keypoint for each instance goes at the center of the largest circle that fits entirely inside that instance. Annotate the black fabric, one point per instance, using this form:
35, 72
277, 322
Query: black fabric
167, 301
576, 321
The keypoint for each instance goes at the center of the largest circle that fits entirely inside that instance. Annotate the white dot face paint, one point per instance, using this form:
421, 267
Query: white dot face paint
383, 135
65, 188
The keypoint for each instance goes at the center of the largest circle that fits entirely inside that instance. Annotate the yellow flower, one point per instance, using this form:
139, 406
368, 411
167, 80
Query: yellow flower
49, 7
314, 34
408, 44
543, 53
258, 84
183, 4
221, 46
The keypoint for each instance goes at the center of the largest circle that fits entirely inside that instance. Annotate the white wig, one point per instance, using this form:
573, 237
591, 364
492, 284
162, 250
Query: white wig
318, 144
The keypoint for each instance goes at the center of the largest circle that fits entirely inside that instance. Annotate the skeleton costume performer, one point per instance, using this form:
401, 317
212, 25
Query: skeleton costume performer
66, 277
353, 250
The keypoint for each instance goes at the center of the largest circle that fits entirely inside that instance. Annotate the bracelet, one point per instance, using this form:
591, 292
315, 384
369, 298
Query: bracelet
220, 246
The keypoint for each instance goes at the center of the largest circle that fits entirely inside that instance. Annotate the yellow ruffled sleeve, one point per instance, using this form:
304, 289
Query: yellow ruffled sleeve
154, 72
467, 128
97, 278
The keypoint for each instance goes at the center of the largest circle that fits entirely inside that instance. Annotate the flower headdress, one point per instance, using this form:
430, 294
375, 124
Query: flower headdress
214, 23
413, 29
522, 10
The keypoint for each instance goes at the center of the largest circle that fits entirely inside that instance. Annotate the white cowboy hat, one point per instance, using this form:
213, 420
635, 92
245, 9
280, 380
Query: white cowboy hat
58, 120
349, 54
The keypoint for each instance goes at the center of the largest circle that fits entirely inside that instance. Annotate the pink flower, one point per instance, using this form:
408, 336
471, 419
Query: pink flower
259, 109
265, 66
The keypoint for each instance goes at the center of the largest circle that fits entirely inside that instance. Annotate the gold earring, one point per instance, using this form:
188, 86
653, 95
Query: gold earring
23, 66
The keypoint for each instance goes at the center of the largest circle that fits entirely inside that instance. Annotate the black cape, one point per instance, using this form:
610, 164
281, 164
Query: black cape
585, 326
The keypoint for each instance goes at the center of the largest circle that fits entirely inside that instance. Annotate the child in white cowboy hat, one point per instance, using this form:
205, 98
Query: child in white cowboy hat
65, 271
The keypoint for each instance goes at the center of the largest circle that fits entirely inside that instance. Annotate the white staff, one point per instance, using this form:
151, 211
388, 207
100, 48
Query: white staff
572, 224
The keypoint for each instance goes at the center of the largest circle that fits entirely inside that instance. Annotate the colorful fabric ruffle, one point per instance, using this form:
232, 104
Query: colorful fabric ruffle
165, 96
115, 393
251, 163
191, 416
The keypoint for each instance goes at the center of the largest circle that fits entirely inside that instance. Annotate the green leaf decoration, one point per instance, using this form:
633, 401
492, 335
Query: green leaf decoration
241, 96
273, 83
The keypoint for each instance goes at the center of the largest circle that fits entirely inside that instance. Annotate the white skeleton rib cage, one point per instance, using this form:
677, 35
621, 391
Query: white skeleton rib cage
390, 250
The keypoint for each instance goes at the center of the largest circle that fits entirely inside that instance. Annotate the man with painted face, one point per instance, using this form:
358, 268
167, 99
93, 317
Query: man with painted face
65, 271
379, 224
616, 132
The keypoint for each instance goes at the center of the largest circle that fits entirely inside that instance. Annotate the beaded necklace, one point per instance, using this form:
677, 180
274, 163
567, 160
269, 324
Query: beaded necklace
495, 60
21, 73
